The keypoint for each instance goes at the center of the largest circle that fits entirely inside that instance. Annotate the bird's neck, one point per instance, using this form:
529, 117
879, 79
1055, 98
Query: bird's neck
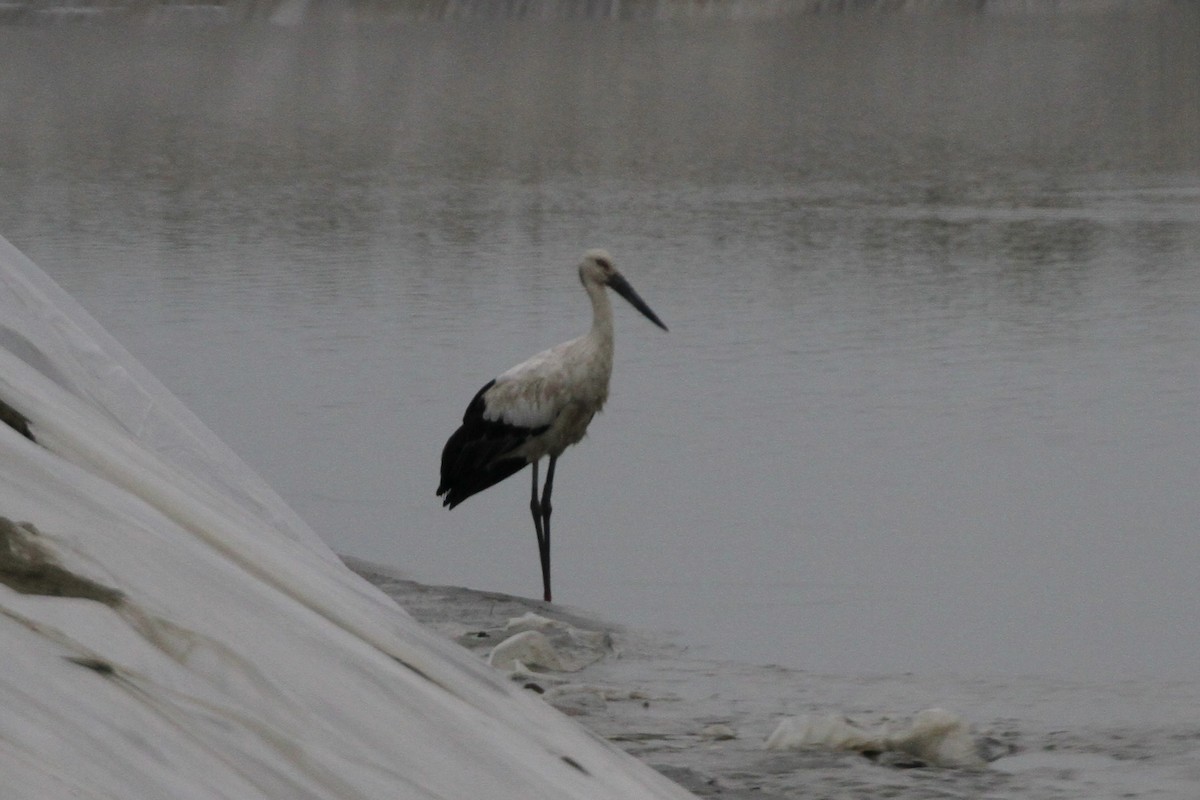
602, 315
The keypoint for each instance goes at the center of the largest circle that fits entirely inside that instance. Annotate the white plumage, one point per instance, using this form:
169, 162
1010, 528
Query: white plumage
540, 407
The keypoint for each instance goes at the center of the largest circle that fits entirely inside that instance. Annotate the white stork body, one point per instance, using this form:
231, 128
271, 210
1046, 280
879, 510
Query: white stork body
540, 407
562, 387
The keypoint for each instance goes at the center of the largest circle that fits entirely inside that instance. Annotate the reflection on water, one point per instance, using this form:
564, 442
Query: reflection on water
929, 396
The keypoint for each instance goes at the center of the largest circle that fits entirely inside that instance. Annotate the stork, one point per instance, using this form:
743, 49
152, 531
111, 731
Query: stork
540, 407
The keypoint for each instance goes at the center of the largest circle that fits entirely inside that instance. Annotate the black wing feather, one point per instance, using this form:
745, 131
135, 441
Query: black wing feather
472, 459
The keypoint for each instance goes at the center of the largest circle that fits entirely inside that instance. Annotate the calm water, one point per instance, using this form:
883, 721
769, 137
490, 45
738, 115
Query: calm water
929, 398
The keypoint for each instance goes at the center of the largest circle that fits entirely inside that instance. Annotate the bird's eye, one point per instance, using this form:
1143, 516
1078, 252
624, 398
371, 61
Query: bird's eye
604, 263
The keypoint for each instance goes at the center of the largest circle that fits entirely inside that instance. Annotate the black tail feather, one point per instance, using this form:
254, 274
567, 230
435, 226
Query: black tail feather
474, 457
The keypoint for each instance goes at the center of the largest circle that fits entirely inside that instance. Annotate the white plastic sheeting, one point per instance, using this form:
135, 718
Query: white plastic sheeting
208, 644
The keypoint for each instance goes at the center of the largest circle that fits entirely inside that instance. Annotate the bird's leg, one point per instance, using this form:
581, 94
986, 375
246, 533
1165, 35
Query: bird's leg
546, 526
543, 543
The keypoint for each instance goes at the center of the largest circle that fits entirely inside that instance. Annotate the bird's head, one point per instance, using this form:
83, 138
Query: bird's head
597, 269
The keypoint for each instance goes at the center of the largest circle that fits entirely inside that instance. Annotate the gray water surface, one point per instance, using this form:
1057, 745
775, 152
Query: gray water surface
929, 397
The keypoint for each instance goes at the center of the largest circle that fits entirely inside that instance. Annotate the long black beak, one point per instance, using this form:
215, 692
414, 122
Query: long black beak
621, 286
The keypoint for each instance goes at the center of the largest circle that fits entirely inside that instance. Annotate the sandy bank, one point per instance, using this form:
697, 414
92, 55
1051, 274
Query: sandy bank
706, 723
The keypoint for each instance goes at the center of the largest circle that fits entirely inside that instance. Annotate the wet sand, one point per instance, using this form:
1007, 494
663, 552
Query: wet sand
705, 723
